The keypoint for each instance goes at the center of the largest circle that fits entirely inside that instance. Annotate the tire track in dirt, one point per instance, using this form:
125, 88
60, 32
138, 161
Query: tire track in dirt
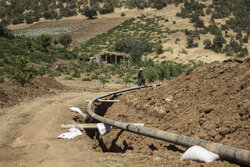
28, 138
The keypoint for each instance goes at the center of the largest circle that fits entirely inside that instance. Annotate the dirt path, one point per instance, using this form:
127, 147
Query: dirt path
28, 133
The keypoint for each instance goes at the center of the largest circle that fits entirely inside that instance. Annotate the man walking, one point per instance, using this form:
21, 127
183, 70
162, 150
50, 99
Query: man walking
141, 79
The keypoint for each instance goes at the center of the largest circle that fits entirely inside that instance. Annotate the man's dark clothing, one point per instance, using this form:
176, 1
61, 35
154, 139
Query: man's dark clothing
141, 79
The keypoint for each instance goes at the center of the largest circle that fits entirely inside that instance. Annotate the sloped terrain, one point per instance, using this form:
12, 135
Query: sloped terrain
12, 92
210, 102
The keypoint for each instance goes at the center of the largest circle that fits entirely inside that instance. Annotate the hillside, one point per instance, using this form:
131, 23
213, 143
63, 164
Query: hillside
179, 31
198, 49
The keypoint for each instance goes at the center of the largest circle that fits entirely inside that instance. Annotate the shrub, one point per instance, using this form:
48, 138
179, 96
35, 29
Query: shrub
6, 33
245, 39
207, 43
135, 47
45, 40
159, 49
21, 70
107, 8
218, 42
126, 78
65, 40
190, 42
86, 79
1, 79
103, 80
76, 74
89, 12
151, 74
243, 52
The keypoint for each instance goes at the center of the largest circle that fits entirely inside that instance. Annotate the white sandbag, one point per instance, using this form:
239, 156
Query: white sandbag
75, 109
73, 132
103, 128
198, 153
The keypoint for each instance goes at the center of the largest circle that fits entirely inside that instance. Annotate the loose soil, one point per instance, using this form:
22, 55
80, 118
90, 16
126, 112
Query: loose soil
210, 102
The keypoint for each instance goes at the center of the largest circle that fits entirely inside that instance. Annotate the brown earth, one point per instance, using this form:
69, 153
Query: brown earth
13, 92
211, 102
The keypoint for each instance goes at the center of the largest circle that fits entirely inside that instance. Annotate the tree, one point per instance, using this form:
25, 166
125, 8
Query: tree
89, 12
243, 52
21, 70
45, 40
135, 47
103, 80
207, 43
5, 32
65, 40
107, 8
190, 42
151, 74
126, 78
218, 42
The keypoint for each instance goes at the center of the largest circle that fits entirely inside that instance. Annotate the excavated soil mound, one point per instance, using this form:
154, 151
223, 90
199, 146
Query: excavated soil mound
12, 92
211, 102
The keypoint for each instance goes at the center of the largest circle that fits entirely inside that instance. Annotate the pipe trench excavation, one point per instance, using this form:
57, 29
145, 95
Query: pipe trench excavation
229, 153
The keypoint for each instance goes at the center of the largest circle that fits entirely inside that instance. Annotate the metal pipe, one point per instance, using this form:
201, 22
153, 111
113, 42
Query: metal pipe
225, 152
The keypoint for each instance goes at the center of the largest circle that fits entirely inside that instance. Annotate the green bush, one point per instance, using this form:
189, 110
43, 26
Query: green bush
218, 42
89, 12
207, 43
135, 47
1, 79
76, 74
107, 8
103, 80
159, 49
86, 79
65, 40
151, 74
20, 69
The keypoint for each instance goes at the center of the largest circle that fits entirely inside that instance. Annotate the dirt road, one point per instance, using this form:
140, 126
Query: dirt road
29, 130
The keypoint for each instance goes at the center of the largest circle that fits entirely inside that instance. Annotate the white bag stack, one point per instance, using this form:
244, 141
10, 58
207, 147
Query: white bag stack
198, 153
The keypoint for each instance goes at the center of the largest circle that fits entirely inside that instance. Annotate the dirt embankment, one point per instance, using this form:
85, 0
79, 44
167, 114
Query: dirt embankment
12, 92
211, 102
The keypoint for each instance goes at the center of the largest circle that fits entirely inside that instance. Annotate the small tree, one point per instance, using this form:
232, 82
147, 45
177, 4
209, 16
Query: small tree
207, 43
151, 74
218, 42
89, 12
190, 42
65, 40
103, 80
126, 78
20, 70
159, 49
45, 40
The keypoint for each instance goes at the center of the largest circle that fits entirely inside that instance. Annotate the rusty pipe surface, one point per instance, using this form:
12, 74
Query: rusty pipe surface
225, 152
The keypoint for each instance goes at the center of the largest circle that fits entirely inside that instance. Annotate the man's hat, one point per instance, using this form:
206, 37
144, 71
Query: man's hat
141, 69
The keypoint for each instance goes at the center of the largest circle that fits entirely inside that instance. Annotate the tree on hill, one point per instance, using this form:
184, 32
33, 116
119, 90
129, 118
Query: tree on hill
65, 40
4, 32
218, 42
107, 8
45, 40
89, 12
21, 70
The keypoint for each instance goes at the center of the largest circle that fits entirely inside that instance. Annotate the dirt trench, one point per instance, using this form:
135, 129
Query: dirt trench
210, 102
